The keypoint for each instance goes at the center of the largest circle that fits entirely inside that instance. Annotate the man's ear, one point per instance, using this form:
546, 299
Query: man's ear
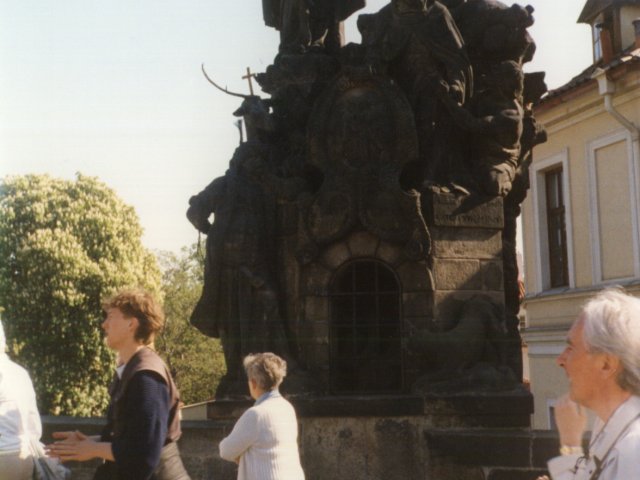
134, 324
610, 365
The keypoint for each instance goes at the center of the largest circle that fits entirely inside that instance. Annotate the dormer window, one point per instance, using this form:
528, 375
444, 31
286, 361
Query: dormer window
612, 29
602, 28
597, 42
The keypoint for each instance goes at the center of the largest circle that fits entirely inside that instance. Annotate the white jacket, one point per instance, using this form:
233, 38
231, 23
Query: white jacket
620, 436
19, 418
265, 440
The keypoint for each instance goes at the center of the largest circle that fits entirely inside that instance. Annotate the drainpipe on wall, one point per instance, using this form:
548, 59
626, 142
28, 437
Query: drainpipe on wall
607, 88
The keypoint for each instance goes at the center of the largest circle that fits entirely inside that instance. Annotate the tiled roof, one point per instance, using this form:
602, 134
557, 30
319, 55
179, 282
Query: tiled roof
594, 7
628, 57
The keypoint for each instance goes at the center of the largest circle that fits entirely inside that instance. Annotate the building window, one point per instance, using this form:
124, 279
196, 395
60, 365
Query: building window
556, 229
605, 36
597, 42
365, 331
614, 219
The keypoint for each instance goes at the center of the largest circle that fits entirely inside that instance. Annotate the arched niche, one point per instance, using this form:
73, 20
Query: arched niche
365, 329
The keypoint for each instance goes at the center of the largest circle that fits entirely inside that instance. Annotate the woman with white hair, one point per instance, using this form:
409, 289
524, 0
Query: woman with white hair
264, 441
19, 418
602, 363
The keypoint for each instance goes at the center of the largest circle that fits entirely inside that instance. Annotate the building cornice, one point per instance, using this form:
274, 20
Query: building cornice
624, 64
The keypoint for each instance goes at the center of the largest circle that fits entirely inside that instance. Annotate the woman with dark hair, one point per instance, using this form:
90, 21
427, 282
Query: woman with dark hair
264, 441
143, 418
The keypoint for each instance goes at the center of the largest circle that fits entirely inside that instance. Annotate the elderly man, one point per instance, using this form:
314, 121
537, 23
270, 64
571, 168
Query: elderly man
602, 362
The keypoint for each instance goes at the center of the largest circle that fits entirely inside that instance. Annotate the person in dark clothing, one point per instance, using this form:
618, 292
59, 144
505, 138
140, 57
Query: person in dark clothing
143, 418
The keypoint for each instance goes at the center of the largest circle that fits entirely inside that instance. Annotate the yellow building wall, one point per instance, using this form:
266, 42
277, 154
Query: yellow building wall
628, 13
572, 126
615, 227
550, 379
579, 129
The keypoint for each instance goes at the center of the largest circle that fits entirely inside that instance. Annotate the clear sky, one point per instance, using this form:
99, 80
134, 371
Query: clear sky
113, 89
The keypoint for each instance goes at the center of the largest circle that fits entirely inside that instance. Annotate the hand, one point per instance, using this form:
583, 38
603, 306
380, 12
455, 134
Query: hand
543, 477
72, 446
571, 420
198, 218
73, 436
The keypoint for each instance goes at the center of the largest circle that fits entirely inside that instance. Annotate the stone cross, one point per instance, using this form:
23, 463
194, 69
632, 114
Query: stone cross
248, 77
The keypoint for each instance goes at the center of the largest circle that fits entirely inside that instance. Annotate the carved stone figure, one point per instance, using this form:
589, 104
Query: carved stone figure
361, 134
308, 23
470, 354
496, 124
417, 43
239, 302
379, 185
533, 134
494, 32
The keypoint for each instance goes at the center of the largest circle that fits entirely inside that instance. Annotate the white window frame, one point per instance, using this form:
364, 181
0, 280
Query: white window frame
596, 38
594, 218
538, 170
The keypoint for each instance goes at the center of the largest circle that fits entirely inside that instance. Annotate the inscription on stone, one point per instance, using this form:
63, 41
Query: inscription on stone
451, 211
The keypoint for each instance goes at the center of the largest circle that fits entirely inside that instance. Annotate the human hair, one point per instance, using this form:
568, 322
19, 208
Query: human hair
266, 369
612, 325
142, 306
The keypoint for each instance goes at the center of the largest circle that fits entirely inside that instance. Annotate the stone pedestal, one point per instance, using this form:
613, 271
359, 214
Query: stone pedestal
401, 437
408, 437
466, 234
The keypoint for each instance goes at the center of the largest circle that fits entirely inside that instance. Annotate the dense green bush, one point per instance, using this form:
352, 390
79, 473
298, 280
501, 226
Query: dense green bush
65, 245
196, 361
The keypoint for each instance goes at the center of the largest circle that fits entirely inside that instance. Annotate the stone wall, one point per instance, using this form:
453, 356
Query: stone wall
410, 441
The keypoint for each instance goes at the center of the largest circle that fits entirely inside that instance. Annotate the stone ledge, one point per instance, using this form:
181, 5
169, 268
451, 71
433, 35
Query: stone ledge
494, 448
359, 447
331, 406
517, 451
515, 474
495, 409
516, 402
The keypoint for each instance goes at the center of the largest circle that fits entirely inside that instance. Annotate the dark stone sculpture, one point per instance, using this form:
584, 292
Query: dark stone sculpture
496, 125
466, 356
366, 229
417, 44
240, 297
305, 24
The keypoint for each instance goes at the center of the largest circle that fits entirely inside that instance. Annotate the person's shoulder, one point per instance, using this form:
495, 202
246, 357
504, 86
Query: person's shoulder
625, 453
277, 403
14, 369
148, 362
629, 444
149, 378
253, 414
18, 378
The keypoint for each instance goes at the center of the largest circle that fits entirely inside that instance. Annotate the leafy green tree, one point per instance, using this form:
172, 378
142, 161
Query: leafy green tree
66, 245
196, 361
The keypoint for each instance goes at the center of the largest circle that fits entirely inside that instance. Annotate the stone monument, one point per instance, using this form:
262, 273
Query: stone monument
365, 230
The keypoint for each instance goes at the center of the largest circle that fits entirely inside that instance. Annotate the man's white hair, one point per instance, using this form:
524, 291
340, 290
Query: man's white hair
612, 325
